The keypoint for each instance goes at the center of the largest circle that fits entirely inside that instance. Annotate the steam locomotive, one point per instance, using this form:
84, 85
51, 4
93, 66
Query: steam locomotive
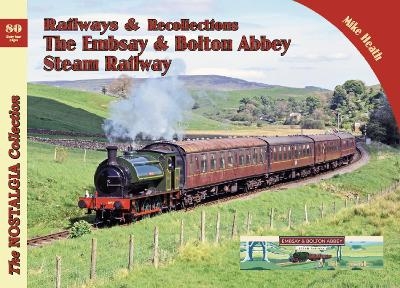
165, 176
304, 256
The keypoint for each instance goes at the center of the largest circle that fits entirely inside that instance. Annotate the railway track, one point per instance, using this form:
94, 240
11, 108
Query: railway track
361, 155
42, 240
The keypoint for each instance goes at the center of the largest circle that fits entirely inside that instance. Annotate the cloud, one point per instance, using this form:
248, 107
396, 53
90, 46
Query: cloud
180, 6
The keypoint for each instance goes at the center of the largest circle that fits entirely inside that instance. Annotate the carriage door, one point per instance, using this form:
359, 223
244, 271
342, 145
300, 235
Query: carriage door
292, 155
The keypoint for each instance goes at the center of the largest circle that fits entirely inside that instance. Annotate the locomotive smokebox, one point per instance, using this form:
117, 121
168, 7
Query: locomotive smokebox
112, 155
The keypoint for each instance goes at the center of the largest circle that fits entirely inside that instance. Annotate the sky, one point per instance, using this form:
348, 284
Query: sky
319, 54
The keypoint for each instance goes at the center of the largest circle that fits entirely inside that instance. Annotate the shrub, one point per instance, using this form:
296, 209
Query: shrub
80, 228
312, 124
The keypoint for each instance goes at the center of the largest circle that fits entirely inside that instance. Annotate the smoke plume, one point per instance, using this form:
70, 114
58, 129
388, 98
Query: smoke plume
155, 109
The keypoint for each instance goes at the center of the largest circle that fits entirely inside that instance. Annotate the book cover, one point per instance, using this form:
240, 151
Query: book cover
198, 101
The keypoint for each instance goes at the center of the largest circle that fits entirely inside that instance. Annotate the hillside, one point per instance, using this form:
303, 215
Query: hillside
195, 82
65, 109
62, 109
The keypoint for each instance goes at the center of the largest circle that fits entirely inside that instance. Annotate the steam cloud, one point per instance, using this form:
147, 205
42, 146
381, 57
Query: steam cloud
155, 109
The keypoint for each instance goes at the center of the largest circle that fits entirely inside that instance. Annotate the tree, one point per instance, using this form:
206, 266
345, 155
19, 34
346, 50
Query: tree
295, 105
382, 124
353, 102
339, 97
121, 86
354, 86
312, 103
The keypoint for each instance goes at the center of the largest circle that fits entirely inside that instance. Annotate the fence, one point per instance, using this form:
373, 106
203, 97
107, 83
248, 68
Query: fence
156, 245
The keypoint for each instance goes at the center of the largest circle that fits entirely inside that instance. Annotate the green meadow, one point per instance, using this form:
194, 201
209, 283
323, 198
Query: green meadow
209, 265
54, 186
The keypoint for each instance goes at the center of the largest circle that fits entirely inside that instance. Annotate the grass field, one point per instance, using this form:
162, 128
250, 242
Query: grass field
62, 109
268, 130
93, 103
219, 267
227, 100
206, 265
54, 187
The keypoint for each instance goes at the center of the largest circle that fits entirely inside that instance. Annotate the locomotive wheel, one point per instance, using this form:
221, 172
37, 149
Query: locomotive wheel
129, 218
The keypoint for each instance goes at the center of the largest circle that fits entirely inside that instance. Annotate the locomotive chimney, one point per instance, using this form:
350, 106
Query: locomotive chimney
112, 155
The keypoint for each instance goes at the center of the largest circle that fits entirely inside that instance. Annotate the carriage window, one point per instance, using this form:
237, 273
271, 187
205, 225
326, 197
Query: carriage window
191, 165
255, 156
308, 150
275, 155
203, 164
230, 160
241, 160
248, 157
196, 160
213, 162
222, 161
284, 153
261, 157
